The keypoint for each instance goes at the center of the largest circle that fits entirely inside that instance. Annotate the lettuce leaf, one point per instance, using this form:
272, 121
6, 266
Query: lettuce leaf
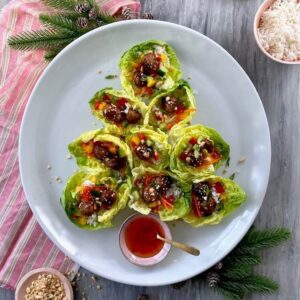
87, 163
181, 203
159, 142
182, 135
234, 197
180, 90
132, 56
112, 127
102, 219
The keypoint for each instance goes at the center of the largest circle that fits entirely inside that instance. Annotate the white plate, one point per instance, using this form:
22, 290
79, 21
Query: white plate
58, 112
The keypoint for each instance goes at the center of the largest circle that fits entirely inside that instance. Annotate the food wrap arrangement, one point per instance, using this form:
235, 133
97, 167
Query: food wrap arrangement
148, 155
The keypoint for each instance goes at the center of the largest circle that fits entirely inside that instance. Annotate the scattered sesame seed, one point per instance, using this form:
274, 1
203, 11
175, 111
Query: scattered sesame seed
99, 72
224, 171
99, 287
93, 277
69, 156
242, 159
95, 124
49, 167
189, 78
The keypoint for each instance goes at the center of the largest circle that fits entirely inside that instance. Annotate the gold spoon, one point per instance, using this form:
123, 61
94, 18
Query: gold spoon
184, 247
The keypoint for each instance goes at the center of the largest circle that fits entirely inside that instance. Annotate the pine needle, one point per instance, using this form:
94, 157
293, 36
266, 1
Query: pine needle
251, 284
229, 294
257, 240
247, 259
50, 54
237, 272
62, 23
105, 17
40, 39
61, 4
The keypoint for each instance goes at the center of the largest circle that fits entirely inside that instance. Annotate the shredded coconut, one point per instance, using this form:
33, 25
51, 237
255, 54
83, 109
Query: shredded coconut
279, 30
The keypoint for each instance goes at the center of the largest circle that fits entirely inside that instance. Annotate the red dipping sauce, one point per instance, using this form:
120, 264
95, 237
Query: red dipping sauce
140, 236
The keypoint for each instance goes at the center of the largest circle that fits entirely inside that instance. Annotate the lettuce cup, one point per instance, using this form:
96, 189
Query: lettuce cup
158, 192
198, 152
175, 106
91, 200
213, 198
116, 109
149, 148
99, 150
148, 69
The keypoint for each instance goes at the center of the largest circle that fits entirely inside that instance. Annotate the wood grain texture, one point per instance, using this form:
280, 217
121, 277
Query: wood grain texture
229, 23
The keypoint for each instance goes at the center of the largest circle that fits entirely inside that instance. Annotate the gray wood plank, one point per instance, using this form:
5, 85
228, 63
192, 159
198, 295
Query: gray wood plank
229, 22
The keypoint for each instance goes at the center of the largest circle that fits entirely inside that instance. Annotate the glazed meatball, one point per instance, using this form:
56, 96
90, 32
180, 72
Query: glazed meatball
162, 183
190, 159
208, 145
144, 152
140, 79
133, 116
150, 194
169, 104
112, 113
150, 64
100, 151
86, 208
201, 189
108, 198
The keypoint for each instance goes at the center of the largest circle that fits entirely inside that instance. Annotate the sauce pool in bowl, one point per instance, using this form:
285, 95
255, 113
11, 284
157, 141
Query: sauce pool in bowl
138, 240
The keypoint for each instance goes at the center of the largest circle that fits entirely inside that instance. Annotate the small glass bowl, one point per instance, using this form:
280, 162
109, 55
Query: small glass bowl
142, 261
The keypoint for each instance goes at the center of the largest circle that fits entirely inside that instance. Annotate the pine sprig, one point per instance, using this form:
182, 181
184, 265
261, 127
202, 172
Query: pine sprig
258, 240
237, 272
61, 4
248, 259
234, 277
40, 39
50, 54
61, 23
105, 17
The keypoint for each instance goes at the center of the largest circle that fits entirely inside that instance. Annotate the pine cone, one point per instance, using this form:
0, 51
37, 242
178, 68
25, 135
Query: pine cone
82, 22
142, 297
93, 14
178, 285
147, 16
212, 278
82, 8
127, 13
218, 266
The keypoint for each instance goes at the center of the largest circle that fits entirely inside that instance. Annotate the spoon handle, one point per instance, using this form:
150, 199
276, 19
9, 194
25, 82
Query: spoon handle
184, 247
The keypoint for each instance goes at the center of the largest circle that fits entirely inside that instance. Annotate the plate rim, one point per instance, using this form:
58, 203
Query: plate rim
24, 121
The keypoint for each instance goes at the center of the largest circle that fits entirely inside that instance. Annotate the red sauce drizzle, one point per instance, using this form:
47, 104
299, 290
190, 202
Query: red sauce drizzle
140, 236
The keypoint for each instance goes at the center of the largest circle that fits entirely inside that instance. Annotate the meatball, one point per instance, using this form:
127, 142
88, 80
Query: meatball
140, 79
87, 208
144, 152
169, 104
189, 158
201, 189
162, 183
150, 64
100, 151
108, 198
112, 113
208, 145
133, 116
150, 194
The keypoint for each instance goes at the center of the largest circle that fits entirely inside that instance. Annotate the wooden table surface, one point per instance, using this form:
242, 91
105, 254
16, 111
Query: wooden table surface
229, 23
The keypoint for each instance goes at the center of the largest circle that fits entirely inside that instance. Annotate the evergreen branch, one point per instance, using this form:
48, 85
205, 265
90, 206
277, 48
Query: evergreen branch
93, 4
50, 54
237, 272
246, 259
61, 4
61, 23
105, 17
251, 284
229, 293
40, 39
260, 239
